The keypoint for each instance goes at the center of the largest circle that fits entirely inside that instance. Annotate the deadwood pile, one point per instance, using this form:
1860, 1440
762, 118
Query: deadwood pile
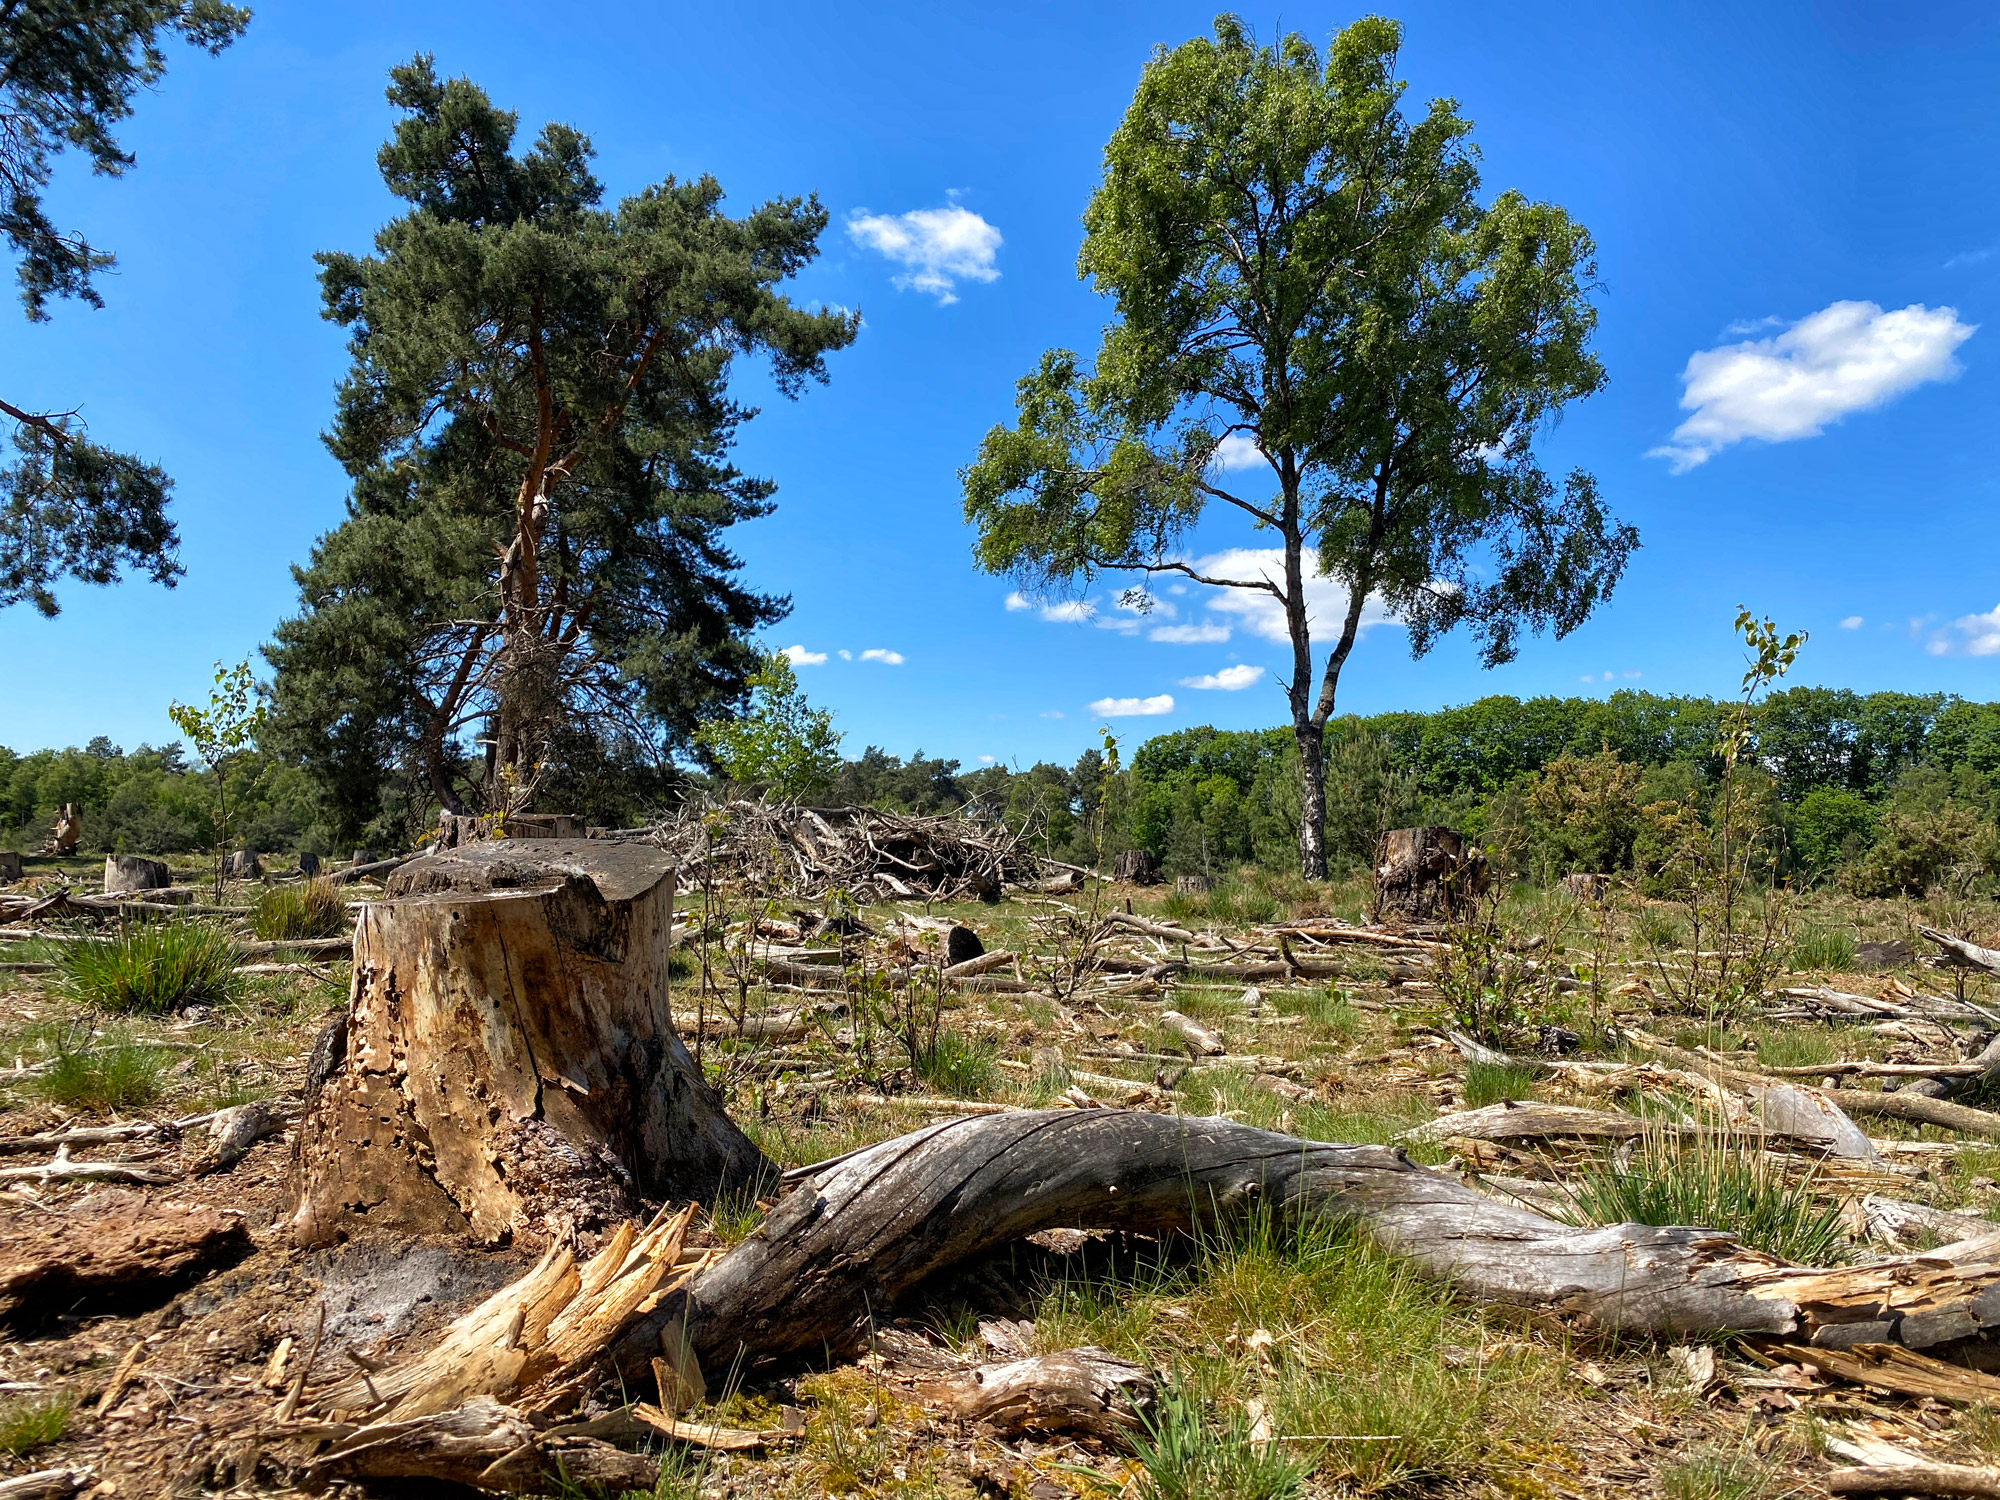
509, 1071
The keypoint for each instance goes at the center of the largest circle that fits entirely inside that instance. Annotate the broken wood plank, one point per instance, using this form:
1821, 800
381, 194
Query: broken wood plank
1076, 1390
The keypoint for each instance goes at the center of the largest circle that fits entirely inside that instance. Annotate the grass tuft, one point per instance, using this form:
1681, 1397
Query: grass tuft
153, 968
28, 1425
1825, 949
311, 909
958, 1066
1713, 1181
1187, 1456
1488, 1083
1715, 1475
105, 1074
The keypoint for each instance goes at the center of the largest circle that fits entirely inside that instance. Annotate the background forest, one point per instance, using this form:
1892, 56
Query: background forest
1883, 793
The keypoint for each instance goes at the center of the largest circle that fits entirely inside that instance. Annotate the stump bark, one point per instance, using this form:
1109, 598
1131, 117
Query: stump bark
1137, 866
1424, 874
509, 1065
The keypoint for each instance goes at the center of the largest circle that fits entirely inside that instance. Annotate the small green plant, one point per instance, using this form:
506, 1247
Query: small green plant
1829, 949
1715, 1181
154, 968
312, 909
957, 1065
221, 732
780, 743
28, 1425
1488, 1083
1487, 988
1186, 1456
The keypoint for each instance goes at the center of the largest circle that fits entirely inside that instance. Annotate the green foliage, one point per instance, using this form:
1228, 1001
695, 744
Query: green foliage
310, 909
1714, 1181
68, 72
1187, 1456
780, 744
536, 425
1831, 826
154, 968
1396, 414
26, 1425
1925, 847
222, 733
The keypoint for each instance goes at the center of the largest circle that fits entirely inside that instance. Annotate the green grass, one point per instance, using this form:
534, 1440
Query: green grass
28, 1425
1796, 1047
1489, 1083
1188, 1455
959, 1066
1714, 1475
107, 1074
1829, 949
1330, 1009
154, 968
1713, 1181
310, 909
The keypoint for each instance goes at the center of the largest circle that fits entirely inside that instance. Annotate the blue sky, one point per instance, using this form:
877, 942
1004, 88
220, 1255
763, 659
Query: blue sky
1797, 208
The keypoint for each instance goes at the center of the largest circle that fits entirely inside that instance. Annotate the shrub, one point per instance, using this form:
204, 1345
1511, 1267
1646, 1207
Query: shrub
1713, 1181
1920, 848
311, 909
1831, 826
154, 968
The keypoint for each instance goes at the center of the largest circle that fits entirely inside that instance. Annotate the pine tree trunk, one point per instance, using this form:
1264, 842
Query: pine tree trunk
509, 1065
1312, 800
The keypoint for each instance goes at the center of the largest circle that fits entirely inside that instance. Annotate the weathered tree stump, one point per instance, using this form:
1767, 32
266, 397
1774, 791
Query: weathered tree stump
1422, 874
1587, 887
10, 865
69, 829
244, 865
509, 1065
132, 872
308, 863
1137, 866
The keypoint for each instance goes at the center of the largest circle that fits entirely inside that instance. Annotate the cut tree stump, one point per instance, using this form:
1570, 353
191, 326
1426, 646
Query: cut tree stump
509, 1065
134, 872
1425, 874
1137, 866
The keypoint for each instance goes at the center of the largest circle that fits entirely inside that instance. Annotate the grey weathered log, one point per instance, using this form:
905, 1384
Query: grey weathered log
860, 1231
1906, 1104
134, 872
45, 1484
1201, 1042
510, 1064
1075, 1390
1809, 1115
1963, 954
244, 865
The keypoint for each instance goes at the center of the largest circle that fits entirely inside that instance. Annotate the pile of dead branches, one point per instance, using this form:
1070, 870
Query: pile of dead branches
868, 855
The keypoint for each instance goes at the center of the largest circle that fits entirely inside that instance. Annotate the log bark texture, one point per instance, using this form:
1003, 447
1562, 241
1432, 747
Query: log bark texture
1424, 874
864, 1228
1075, 1390
509, 1064
129, 1256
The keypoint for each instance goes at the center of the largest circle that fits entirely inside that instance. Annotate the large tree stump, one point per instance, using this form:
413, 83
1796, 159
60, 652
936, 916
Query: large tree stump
134, 872
1423, 874
509, 1065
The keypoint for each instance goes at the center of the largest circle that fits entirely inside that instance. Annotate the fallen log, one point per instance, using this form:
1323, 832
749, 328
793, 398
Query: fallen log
1916, 1479
1201, 1042
121, 1256
864, 1228
510, 1064
482, 1445
1964, 955
46, 1484
1922, 1109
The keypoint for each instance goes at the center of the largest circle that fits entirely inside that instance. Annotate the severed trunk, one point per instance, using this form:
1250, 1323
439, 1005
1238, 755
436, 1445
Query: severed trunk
1426, 875
509, 1065
1312, 799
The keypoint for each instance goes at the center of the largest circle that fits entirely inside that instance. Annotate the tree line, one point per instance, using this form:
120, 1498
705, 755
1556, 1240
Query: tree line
1885, 793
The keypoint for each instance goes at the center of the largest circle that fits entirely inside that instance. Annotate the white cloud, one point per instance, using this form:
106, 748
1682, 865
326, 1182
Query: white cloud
846, 655
887, 658
1238, 451
1261, 614
1069, 611
986, 760
1852, 622
1017, 601
1053, 713
798, 656
1228, 680
1207, 633
1844, 358
1978, 635
941, 246
1127, 708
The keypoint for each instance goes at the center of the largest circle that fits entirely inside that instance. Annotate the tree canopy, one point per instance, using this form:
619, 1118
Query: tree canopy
68, 71
537, 425
1297, 267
